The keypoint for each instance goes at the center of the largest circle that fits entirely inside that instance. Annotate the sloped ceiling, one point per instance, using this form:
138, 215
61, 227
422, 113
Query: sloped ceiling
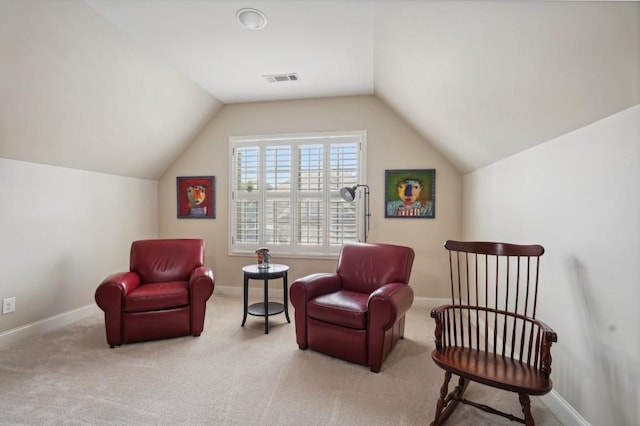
76, 92
485, 80
121, 86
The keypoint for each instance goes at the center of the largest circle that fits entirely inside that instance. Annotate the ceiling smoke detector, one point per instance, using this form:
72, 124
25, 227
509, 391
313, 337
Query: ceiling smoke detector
251, 19
278, 78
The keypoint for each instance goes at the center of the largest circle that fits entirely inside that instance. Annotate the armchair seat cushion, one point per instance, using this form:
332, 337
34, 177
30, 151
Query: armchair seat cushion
157, 296
344, 308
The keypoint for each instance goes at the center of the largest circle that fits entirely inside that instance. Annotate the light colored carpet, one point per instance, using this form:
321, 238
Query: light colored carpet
230, 375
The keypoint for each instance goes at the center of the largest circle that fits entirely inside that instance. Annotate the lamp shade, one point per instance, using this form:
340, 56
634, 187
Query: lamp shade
348, 194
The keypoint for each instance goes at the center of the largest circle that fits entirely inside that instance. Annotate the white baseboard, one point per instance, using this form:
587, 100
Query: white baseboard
224, 290
429, 302
567, 415
275, 293
20, 334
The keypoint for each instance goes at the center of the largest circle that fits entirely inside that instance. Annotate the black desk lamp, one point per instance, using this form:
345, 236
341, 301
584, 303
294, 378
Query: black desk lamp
349, 194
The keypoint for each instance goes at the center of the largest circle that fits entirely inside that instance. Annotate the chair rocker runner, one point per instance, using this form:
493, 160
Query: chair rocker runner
489, 333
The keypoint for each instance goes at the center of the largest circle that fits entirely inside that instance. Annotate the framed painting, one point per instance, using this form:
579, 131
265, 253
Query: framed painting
196, 197
410, 194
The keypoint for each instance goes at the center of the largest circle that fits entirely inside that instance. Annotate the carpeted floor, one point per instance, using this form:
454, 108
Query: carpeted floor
230, 375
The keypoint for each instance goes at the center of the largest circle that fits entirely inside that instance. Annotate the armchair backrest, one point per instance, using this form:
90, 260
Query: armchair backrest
364, 267
166, 260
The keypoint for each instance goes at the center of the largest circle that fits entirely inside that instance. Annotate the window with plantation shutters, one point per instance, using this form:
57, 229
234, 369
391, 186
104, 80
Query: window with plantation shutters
285, 192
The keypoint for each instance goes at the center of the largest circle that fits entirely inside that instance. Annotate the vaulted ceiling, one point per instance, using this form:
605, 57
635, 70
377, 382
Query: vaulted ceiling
122, 86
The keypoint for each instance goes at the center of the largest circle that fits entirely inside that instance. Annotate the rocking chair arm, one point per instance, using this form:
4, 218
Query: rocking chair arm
438, 310
388, 304
436, 314
549, 336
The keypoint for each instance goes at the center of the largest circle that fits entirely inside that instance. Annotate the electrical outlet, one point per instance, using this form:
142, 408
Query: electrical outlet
8, 305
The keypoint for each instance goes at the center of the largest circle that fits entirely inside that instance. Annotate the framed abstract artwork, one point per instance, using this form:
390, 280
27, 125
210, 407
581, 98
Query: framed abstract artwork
410, 194
196, 197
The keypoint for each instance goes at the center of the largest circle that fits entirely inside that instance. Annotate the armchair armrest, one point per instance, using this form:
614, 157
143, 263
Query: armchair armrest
306, 288
201, 283
388, 303
114, 288
312, 286
386, 308
110, 296
201, 271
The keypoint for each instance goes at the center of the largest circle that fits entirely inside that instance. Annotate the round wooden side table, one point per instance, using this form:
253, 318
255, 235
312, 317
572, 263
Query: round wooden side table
266, 308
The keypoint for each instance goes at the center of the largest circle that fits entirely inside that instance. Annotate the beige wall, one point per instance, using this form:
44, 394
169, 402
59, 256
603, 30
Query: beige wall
392, 144
577, 195
63, 231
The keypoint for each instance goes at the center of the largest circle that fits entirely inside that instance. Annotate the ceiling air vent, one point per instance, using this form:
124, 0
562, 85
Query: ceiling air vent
277, 78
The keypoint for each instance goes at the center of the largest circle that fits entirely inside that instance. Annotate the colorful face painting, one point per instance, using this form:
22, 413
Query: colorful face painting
196, 197
410, 194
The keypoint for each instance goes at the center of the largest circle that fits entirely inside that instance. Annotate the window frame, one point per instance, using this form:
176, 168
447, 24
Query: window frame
295, 140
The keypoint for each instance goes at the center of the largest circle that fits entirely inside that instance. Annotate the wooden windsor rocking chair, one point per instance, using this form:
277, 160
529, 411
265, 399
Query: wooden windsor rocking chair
489, 333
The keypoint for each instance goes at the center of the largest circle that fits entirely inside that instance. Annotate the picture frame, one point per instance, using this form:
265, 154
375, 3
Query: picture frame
196, 197
410, 193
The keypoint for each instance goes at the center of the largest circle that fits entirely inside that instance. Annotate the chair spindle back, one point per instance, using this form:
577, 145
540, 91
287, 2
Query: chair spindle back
494, 291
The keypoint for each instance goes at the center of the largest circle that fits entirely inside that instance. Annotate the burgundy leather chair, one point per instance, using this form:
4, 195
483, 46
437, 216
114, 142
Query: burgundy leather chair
358, 313
163, 295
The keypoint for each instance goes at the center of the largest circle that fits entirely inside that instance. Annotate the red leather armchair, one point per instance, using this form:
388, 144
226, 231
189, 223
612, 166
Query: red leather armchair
163, 295
357, 313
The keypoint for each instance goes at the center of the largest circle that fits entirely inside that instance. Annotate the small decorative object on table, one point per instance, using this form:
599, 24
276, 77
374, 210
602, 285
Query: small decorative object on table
263, 257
